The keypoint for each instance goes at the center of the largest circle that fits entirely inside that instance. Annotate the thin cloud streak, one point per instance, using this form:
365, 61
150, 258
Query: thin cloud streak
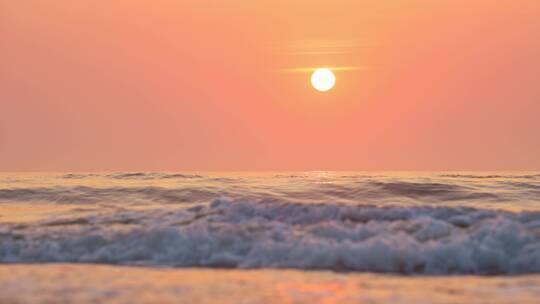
334, 69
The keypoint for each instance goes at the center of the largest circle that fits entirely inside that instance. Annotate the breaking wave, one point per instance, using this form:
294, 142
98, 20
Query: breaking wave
229, 233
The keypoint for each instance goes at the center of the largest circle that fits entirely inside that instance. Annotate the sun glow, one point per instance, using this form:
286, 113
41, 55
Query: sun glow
323, 79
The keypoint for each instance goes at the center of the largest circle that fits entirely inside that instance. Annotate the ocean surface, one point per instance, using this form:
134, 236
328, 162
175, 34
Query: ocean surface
417, 229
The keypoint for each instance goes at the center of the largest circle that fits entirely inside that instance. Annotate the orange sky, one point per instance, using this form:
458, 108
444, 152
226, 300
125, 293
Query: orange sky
213, 85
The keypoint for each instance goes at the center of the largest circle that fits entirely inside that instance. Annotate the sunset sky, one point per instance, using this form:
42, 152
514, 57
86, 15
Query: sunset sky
107, 85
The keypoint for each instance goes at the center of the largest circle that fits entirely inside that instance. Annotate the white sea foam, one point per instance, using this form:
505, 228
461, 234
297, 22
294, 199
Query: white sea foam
272, 234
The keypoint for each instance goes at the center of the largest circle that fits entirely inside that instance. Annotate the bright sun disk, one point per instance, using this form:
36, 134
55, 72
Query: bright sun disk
323, 79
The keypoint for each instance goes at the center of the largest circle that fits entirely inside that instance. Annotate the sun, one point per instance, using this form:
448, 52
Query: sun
323, 79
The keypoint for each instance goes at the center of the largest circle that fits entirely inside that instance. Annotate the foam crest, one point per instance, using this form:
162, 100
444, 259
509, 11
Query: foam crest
273, 234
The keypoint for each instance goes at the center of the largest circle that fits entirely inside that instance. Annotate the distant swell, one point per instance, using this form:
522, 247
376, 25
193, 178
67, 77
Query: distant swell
492, 176
132, 175
356, 191
273, 234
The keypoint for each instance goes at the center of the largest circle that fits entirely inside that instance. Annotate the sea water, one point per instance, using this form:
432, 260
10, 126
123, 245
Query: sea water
430, 231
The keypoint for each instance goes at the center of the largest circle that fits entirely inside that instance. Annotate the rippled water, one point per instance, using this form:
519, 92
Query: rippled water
424, 223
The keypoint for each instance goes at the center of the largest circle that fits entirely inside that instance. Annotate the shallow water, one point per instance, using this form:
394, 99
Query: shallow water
402, 224
70, 283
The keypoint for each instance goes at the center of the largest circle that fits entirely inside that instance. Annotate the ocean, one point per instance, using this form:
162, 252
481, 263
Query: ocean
272, 237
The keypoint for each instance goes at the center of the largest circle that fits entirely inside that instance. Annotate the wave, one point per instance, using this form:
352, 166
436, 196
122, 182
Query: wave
132, 176
491, 176
207, 188
443, 191
268, 234
87, 195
